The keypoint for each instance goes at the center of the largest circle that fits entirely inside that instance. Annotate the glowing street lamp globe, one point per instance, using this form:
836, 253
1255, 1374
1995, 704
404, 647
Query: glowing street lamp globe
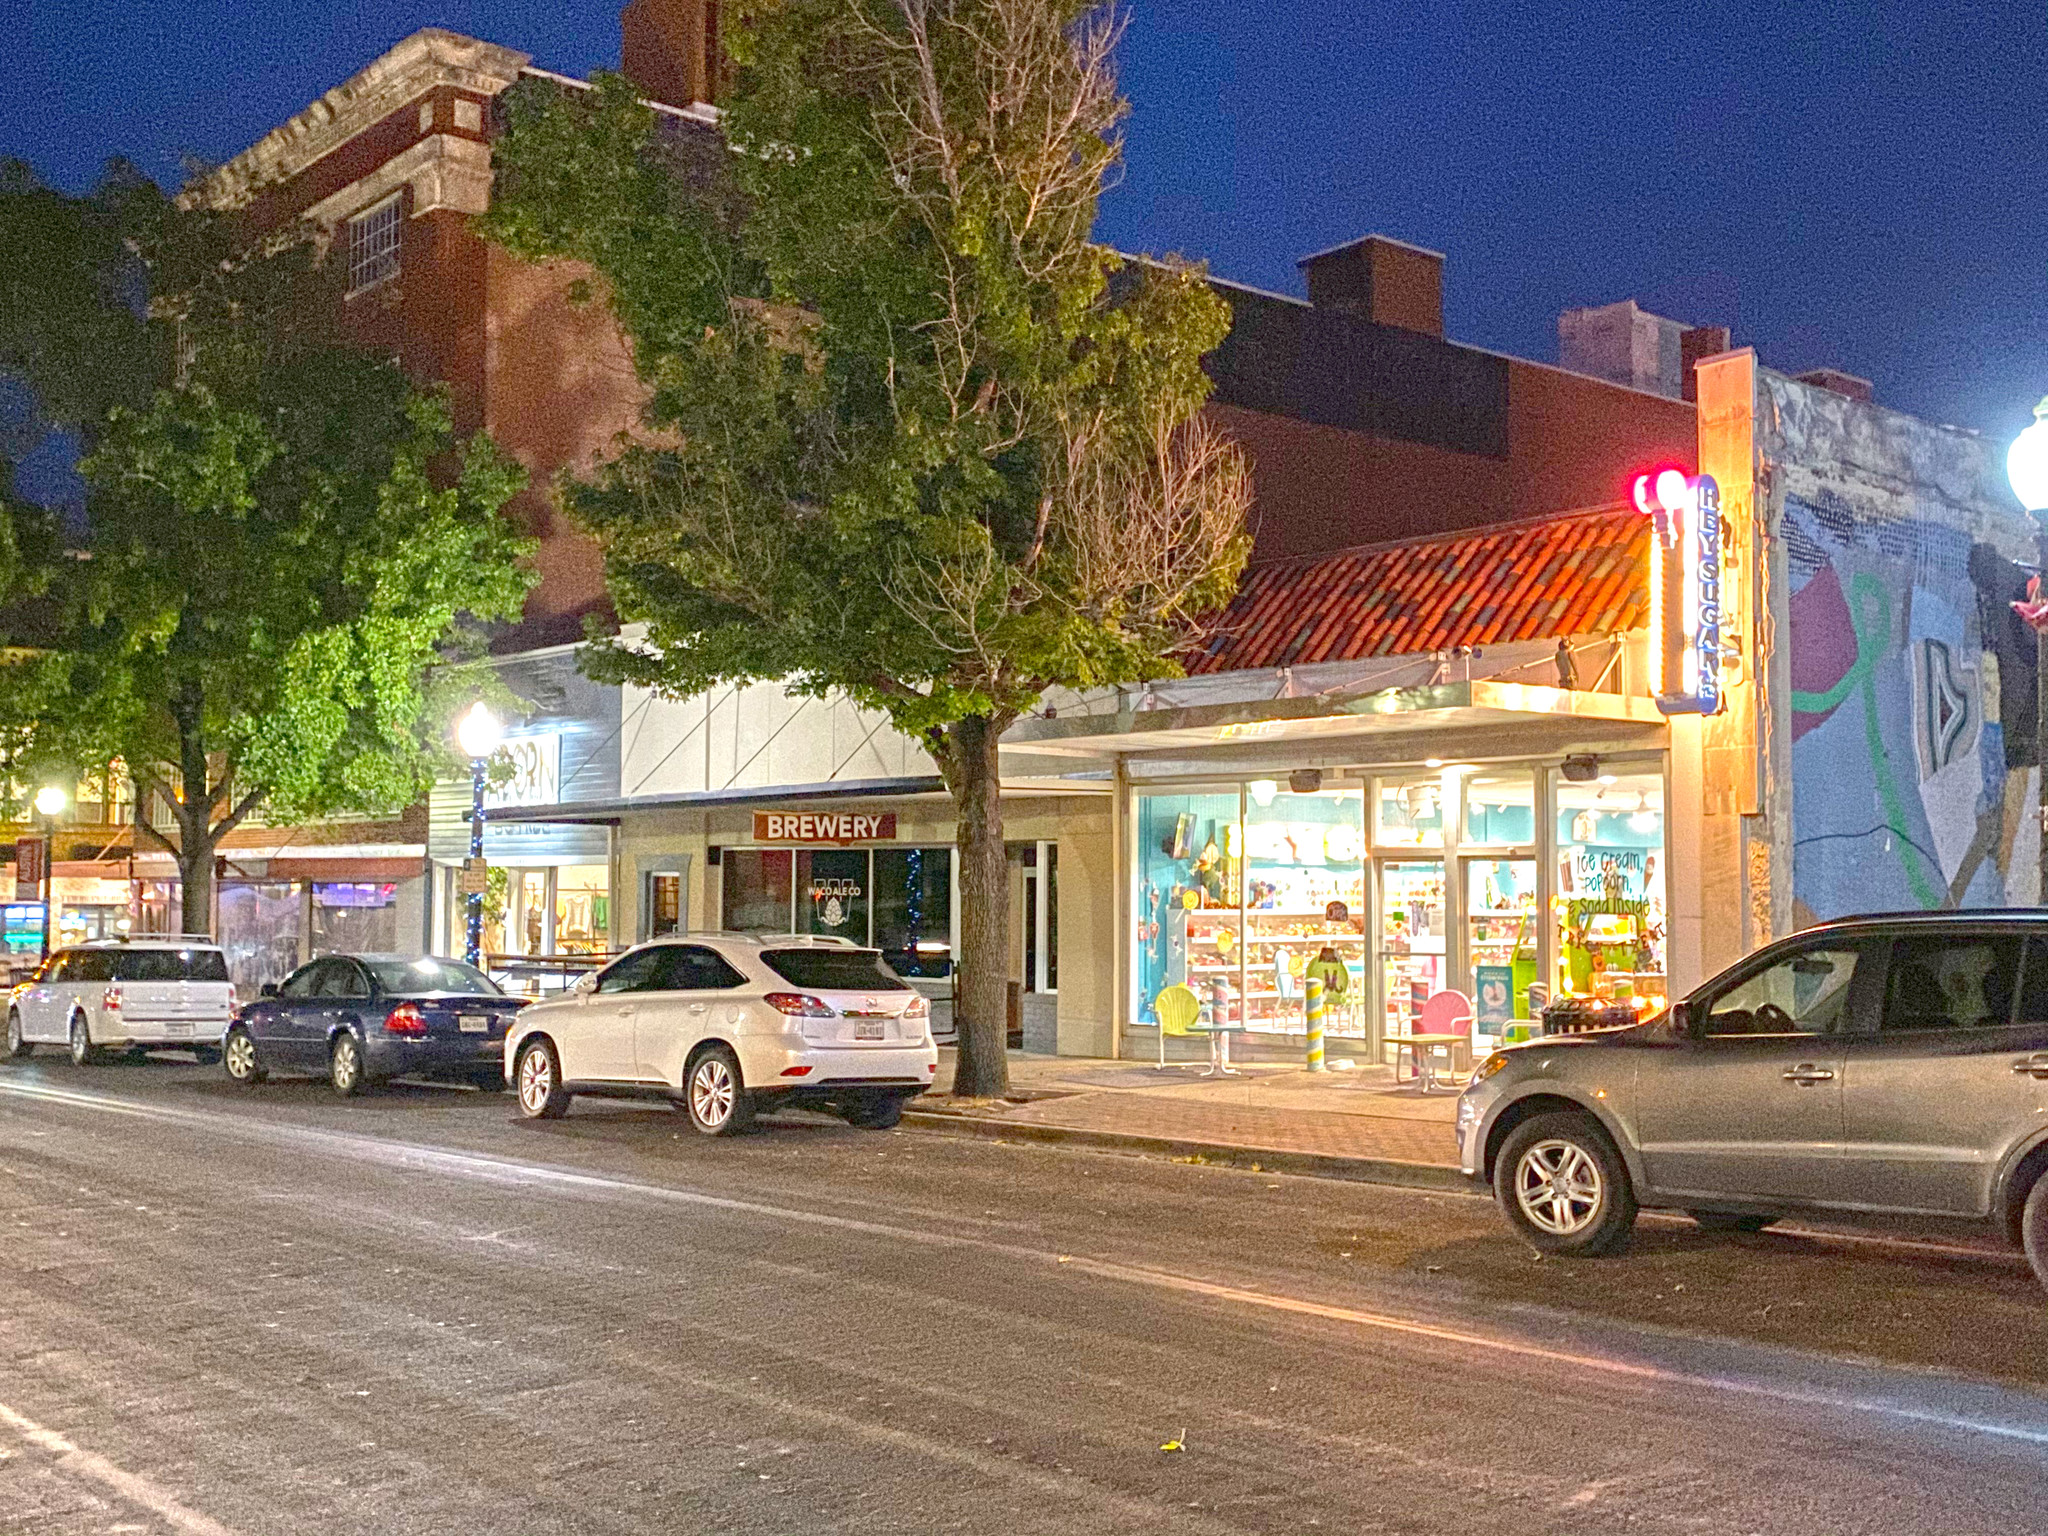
51, 800
479, 733
2026, 463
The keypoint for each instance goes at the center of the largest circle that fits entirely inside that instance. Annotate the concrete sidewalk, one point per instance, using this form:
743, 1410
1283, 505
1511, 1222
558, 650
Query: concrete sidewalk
1341, 1124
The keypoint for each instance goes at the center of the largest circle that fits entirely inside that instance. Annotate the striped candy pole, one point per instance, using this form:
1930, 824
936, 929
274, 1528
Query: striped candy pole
1314, 988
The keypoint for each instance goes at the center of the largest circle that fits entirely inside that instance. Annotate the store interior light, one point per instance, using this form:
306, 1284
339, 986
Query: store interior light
1262, 791
1644, 820
1432, 762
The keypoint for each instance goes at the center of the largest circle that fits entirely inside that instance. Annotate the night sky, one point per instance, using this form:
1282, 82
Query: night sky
1862, 186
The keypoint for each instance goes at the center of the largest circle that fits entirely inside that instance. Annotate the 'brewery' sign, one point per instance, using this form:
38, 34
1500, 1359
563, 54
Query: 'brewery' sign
826, 827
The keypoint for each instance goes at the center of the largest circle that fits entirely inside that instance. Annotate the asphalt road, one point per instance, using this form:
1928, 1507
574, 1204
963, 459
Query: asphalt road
270, 1312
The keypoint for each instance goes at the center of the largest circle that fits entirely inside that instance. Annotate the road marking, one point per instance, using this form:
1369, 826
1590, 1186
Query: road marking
136, 1490
512, 1171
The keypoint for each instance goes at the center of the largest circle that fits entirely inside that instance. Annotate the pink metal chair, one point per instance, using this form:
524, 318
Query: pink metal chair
1443, 1029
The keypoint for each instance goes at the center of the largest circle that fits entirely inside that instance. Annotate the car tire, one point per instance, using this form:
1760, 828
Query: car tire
18, 1044
83, 1052
1731, 1221
715, 1096
239, 1057
876, 1112
1563, 1187
346, 1073
538, 1076
2034, 1228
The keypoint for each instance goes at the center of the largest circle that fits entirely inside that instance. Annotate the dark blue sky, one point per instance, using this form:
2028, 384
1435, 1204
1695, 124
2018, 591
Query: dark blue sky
1856, 185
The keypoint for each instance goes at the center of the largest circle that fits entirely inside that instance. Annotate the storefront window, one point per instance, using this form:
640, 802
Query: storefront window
1414, 952
259, 929
1501, 941
356, 917
913, 910
1500, 808
832, 892
1410, 811
582, 909
1190, 860
756, 884
1304, 906
1610, 909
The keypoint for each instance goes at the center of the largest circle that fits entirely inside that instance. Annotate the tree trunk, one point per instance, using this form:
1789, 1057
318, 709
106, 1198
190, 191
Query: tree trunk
194, 813
981, 982
195, 880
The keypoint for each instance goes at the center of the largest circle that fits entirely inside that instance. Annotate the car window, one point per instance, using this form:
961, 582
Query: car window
2033, 1007
835, 970
1952, 982
344, 978
430, 973
696, 969
88, 965
167, 964
301, 982
1803, 994
641, 971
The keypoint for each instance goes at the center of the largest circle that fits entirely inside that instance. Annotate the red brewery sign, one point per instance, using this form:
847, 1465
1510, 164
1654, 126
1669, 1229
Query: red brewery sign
823, 827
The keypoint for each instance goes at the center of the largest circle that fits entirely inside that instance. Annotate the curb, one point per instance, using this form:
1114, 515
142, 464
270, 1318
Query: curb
1315, 1165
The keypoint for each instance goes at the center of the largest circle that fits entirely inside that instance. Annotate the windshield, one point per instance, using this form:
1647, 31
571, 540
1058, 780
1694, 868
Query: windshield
166, 964
834, 970
431, 974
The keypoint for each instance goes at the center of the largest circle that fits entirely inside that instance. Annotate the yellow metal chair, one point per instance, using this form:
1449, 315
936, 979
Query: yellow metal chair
1179, 1012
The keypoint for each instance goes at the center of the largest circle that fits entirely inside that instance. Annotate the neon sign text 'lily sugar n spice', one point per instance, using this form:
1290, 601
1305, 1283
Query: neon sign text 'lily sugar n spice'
1685, 589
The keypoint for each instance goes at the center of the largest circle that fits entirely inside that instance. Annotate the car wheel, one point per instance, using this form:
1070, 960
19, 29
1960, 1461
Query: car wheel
1731, 1221
2034, 1228
18, 1044
345, 1073
538, 1075
83, 1051
877, 1112
239, 1056
715, 1096
1563, 1186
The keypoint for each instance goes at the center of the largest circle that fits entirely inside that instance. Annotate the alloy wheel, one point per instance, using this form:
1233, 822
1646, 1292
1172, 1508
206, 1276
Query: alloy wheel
345, 1069
240, 1057
712, 1092
81, 1041
1559, 1187
536, 1080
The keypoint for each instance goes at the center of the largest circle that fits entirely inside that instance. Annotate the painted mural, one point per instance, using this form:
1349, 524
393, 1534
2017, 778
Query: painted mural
1911, 784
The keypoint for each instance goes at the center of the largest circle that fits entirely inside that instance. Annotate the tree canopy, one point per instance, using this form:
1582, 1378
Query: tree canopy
910, 435
283, 540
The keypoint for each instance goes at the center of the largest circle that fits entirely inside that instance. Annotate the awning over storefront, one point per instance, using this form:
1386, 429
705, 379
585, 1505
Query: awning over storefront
1543, 719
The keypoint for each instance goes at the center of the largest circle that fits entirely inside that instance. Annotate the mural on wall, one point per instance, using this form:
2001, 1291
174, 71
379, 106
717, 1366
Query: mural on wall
1911, 726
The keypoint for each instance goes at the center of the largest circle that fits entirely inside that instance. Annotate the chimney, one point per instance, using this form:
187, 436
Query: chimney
1388, 282
1626, 344
670, 49
1847, 385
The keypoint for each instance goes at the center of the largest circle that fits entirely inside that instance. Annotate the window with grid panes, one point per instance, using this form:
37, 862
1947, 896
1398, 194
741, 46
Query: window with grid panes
373, 245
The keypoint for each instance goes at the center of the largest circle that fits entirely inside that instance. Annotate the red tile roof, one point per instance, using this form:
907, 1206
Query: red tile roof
1584, 573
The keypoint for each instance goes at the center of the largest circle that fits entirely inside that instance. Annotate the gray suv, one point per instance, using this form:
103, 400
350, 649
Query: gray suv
1893, 1066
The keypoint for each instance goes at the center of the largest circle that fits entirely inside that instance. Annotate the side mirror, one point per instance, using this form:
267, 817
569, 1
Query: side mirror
268, 989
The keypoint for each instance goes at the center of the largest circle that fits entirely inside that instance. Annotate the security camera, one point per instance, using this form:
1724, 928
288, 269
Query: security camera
1582, 769
1305, 781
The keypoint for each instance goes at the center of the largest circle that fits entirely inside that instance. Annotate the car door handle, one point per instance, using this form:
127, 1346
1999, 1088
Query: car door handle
1806, 1075
2032, 1066
696, 1007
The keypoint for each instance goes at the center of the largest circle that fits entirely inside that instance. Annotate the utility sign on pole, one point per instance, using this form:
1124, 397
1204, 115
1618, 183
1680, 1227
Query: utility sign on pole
475, 878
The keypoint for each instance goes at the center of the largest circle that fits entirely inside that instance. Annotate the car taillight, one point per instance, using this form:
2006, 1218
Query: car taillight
234, 1003
110, 1000
406, 1019
796, 1005
918, 1009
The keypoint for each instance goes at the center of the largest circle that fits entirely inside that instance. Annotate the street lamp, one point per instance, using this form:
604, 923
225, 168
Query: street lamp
50, 803
478, 735
2026, 466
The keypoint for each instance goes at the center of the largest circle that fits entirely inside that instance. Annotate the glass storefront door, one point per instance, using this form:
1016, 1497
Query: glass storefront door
1414, 952
1501, 943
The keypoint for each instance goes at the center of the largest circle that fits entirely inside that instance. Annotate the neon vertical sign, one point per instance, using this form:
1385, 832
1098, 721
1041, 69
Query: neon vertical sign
1685, 589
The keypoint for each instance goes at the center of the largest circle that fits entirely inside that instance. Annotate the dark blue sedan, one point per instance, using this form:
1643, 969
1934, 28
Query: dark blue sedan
362, 1019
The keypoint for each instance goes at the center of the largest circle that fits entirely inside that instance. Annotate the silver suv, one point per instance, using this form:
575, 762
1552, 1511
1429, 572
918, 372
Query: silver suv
125, 994
1893, 1066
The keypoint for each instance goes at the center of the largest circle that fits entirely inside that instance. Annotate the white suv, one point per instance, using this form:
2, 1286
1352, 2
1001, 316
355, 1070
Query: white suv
123, 994
725, 1026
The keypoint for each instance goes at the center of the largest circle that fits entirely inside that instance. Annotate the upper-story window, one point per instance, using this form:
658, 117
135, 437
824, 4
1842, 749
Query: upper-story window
373, 245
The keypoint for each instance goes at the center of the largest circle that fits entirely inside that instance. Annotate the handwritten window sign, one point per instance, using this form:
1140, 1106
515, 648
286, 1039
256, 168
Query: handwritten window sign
823, 827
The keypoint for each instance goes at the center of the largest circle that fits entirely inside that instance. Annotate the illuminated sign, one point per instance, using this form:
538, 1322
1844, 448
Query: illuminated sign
804, 827
1685, 589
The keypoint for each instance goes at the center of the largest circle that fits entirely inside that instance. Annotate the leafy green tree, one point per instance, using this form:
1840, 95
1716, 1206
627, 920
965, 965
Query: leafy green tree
910, 436
284, 541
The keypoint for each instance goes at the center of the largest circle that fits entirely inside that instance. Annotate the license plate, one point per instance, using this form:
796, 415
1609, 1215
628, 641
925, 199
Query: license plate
474, 1023
869, 1031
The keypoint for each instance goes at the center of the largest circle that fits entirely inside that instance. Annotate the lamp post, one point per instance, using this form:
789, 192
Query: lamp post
50, 803
478, 735
2026, 466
